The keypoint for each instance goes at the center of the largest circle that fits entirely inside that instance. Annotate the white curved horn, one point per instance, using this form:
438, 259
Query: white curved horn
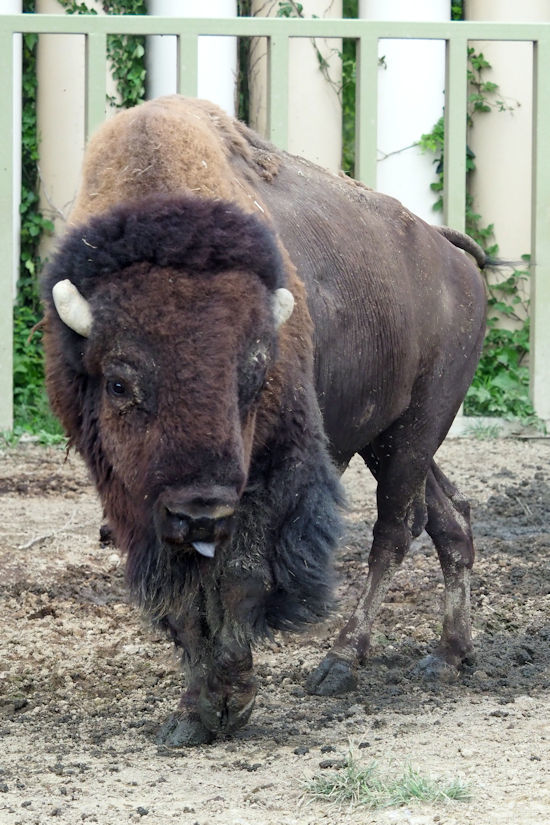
73, 309
283, 304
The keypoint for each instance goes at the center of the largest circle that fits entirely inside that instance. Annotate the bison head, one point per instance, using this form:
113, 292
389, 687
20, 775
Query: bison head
161, 342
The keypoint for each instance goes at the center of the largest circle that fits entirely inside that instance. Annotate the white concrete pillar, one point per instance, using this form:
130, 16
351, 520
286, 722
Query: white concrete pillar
315, 108
501, 141
15, 7
61, 116
411, 84
217, 58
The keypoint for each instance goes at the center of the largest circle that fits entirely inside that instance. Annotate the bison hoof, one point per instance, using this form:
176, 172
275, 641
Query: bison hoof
332, 677
183, 730
435, 668
106, 536
224, 714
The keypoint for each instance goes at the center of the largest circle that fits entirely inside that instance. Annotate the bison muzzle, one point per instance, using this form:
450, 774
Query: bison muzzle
197, 516
226, 326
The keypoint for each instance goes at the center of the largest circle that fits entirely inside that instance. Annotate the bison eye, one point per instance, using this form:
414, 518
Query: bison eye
117, 389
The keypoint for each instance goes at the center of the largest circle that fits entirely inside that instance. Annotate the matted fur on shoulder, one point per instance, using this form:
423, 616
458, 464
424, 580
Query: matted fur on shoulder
186, 232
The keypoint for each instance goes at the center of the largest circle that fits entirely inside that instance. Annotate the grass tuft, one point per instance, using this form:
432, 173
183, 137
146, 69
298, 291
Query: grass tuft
356, 785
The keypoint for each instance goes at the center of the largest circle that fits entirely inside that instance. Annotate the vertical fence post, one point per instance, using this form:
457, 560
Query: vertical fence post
454, 158
6, 232
366, 109
188, 64
96, 82
277, 95
540, 227
454, 163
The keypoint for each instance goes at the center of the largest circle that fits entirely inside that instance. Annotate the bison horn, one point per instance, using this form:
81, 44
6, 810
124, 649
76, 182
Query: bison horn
283, 304
73, 309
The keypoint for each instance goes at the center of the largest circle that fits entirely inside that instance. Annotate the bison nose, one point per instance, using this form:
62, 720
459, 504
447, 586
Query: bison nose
214, 503
198, 516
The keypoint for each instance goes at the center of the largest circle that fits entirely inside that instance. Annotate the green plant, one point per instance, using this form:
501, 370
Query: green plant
501, 384
482, 431
365, 786
434, 142
126, 54
349, 69
31, 409
483, 95
287, 8
350, 9
244, 9
457, 10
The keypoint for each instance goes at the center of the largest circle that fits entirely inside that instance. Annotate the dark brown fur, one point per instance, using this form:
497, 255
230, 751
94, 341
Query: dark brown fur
185, 225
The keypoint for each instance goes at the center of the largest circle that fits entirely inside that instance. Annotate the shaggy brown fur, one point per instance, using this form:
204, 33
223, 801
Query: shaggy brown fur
185, 223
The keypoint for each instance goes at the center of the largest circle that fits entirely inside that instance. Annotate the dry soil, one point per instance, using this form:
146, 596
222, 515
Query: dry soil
85, 683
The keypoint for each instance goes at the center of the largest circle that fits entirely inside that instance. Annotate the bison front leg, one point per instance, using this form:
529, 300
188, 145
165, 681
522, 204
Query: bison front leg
219, 698
227, 697
218, 670
228, 694
337, 673
184, 727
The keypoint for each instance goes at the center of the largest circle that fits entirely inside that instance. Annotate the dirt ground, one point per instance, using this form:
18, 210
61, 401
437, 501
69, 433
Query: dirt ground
85, 683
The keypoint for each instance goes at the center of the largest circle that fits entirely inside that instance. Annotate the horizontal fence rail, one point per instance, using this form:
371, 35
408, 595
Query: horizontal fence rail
456, 35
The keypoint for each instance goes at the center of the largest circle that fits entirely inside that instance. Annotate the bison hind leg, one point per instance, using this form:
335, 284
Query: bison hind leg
401, 515
450, 530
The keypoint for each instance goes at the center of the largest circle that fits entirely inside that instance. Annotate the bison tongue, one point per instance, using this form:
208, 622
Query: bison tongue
205, 548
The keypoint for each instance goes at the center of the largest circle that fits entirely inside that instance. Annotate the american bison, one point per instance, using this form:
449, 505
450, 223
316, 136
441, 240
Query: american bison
226, 326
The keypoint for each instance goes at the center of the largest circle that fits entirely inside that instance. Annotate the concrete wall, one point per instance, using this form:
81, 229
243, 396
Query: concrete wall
411, 84
60, 112
315, 109
501, 141
61, 83
217, 60
410, 101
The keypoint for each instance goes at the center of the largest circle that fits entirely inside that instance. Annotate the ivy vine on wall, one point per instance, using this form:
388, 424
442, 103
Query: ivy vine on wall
500, 386
126, 52
30, 402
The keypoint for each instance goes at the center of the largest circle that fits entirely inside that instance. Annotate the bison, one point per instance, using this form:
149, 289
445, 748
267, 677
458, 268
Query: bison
226, 326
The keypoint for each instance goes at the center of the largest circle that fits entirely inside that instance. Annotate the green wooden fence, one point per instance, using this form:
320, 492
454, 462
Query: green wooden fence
278, 31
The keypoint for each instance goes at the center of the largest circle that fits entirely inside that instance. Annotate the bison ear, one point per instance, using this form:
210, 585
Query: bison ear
73, 309
283, 304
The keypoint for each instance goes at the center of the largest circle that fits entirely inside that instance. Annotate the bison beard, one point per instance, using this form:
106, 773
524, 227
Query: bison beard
207, 352
272, 567
274, 573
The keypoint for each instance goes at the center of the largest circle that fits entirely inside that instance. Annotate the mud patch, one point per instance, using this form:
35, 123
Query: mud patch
29, 485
